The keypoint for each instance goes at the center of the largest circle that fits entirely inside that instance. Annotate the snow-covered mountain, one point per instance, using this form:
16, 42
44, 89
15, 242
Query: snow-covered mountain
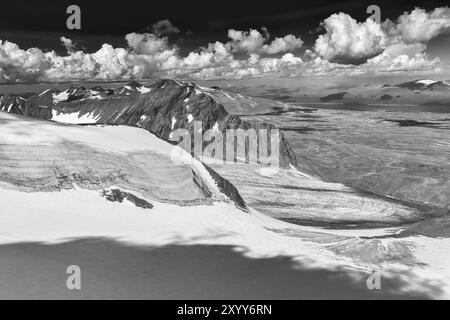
160, 108
425, 84
55, 157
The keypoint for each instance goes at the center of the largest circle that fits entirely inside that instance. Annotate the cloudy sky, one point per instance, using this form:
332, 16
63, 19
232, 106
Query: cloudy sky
226, 39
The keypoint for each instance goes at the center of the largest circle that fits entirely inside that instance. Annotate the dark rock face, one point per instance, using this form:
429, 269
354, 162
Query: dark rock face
117, 195
226, 187
26, 104
386, 97
413, 123
334, 96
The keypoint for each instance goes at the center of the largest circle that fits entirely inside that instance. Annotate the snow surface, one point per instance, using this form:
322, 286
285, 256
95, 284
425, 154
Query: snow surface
60, 97
427, 82
143, 89
107, 138
63, 216
72, 214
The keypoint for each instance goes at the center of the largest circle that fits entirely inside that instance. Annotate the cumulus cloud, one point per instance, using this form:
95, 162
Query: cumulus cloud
17, 64
248, 41
385, 63
349, 41
253, 41
403, 57
254, 66
346, 47
146, 43
422, 26
68, 44
215, 54
164, 28
287, 43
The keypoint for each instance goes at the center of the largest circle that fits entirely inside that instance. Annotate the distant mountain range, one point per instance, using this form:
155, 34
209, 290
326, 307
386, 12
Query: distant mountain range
417, 92
425, 85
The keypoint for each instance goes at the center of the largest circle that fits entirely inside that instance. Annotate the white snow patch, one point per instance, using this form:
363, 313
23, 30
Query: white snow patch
96, 97
143, 89
44, 92
60, 97
228, 96
190, 118
174, 121
268, 171
74, 118
302, 174
206, 89
427, 82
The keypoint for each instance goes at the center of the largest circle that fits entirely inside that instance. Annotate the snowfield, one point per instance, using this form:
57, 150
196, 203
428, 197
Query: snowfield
57, 217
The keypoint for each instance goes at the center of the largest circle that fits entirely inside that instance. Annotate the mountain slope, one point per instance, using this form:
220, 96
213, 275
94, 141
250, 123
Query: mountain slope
161, 108
40, 156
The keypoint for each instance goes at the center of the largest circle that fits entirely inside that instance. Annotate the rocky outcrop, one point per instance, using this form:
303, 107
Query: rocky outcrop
117, 195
